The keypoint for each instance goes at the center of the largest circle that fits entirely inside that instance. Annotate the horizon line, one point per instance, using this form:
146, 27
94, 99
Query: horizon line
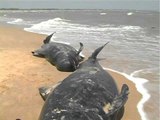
71, 9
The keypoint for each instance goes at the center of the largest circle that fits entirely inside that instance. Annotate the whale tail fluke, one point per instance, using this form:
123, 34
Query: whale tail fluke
48, 38
80, 49
79, 54
97, 51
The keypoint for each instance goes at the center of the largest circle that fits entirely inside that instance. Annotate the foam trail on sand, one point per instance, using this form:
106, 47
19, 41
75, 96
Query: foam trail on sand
139, 82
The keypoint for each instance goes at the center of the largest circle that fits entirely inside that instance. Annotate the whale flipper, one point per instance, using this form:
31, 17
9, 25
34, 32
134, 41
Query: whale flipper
118, 104
46, 90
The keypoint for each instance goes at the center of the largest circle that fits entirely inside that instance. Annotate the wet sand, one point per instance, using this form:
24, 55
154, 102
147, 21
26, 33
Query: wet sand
21, 74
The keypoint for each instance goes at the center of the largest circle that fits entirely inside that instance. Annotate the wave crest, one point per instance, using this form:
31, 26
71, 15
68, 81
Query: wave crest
16, 21
63, 25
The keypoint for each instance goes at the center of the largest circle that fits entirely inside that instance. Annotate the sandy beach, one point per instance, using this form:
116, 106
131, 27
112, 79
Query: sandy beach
21, 74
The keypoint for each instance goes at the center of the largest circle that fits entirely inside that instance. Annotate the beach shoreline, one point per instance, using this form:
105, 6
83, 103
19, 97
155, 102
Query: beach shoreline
22, 74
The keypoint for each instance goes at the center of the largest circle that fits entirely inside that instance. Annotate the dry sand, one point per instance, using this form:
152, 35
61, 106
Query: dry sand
21, 74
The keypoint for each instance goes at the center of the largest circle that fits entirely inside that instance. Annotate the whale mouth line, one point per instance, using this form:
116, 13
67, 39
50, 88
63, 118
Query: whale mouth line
37, 54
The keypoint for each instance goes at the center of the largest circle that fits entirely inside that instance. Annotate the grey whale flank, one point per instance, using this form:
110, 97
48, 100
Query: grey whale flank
84, 94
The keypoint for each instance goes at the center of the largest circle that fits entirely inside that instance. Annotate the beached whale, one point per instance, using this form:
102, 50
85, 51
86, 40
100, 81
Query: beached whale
89, 93
63, 56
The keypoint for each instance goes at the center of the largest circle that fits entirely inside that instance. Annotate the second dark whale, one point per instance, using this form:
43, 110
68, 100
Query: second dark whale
64, 57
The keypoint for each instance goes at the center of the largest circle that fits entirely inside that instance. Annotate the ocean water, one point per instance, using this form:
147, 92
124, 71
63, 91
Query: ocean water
133, 50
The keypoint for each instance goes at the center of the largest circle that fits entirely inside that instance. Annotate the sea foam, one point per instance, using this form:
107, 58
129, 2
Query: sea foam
58, 24
103, 13
19, 21
67, 43
74, 30
16, 21
130, 13
139, 83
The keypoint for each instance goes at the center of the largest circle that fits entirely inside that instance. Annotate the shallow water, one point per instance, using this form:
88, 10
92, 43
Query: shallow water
133, 36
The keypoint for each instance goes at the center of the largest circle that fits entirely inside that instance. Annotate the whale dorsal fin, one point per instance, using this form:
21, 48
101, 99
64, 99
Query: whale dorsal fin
97, 51
48, 38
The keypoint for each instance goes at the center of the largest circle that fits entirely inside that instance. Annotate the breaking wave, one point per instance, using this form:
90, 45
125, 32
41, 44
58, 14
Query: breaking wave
16, 21
61, 25
130, 13
68, 31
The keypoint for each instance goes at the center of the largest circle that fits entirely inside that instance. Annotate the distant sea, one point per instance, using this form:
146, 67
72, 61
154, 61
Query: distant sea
133, 50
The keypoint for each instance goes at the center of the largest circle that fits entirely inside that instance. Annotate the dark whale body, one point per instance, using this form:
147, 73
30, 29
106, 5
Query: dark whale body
84, 94
63, 56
